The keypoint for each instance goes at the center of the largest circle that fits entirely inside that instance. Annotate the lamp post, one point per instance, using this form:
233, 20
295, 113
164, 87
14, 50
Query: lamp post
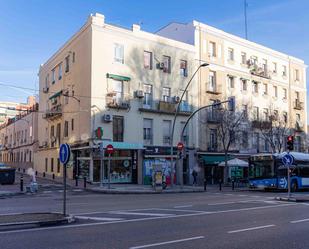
175, 116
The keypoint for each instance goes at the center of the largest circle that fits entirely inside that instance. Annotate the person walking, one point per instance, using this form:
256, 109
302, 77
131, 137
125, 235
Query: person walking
194, 174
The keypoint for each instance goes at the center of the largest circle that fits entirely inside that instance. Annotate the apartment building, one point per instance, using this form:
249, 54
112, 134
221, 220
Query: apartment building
112, 85
19, 139
269, 87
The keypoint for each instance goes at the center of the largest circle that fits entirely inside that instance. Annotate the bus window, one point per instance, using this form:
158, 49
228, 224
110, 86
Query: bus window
304, 172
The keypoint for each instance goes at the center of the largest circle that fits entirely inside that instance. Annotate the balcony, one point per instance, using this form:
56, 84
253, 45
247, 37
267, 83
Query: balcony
169, 108
260, 72
166, 106
213, 89
212, 147
261, 124
117, 102
213, 117
54, 112
298, 105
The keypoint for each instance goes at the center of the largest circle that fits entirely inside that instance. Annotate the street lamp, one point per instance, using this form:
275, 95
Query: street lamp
175, 116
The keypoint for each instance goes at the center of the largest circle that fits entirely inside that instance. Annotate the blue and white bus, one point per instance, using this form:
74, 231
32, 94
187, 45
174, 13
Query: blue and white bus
266, 171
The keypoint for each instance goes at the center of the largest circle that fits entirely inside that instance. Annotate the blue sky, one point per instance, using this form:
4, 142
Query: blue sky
32, 30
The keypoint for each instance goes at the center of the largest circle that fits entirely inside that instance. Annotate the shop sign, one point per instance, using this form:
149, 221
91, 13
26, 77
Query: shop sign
159, 150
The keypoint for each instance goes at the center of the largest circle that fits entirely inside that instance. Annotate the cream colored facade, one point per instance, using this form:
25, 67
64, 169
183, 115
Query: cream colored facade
274, 82
19, 140
125, 81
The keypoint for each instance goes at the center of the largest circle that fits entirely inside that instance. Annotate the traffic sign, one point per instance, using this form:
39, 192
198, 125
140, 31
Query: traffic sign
109, 149
64, 153
287, 160
180, 146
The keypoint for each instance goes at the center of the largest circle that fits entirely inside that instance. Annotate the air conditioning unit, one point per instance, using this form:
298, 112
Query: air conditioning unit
176, 99
107, 118
139, 94
160, 65
45, 89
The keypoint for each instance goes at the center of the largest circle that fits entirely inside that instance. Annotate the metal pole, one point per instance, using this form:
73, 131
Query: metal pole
64, 188
174, 121
101, 170
109, 171
289, 179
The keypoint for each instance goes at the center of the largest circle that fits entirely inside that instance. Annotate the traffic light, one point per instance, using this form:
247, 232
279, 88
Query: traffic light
290, 143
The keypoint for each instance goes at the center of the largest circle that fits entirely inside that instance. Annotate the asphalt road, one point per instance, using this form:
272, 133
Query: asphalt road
198, 220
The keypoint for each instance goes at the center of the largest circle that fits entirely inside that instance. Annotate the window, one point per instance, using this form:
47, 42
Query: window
58, 133
58, 165
52, 135
243, 58
284, 70
255, 113
274, 67
297, 95
264, 65
66, 128
72, 124
185, 137
166, 94
147, 131
285, 93
285, 117
47, 80
245, 111
117, 89
265, 114
230, 54
296, 75
230, 80
275, 91
147, 96
167, 132
265, 89
254, 60
183, 68
118, 128
119, 53
255, 86
212, 49
166, 64
243, 84
245, 139
73, 57
297, 117
46, 164
276, 115
53, 76
256, 141
148, 60
52, 165
213, 140
67, 63
212, 81
60, 71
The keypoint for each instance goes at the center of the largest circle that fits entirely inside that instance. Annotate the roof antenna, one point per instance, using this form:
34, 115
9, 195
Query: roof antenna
246, 24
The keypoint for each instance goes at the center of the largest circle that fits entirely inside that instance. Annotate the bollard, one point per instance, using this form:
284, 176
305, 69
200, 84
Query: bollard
205, 184
53, 176
233, 184
220, 185
36, 173
21, 184
76, 180
24, 170
44, 174
18, 169
85, 181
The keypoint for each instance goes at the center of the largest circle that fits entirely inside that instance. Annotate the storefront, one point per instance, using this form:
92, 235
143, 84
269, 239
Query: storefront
158, 155
123, 162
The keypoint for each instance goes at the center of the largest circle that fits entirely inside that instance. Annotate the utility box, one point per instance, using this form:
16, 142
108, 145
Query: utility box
7, 175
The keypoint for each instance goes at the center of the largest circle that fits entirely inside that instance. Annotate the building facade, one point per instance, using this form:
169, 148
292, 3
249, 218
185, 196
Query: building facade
269, 88
19, 139
111, 85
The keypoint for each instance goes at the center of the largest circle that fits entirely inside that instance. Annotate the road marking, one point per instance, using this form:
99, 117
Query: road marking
298, 221
145, 219
250, 229
78, 190
180, 210
306, 204
228, 194
60, 191
167, 242
221, 203
97, 218
47, 191
184, 206
142, 214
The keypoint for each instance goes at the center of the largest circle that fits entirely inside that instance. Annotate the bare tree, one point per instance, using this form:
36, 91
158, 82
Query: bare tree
274, 129
231, 125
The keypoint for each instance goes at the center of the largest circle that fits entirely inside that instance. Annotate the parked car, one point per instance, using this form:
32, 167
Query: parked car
7, 174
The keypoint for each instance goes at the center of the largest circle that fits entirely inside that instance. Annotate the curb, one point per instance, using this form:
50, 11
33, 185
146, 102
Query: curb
115, 191
291, 199
14, 225
11, 194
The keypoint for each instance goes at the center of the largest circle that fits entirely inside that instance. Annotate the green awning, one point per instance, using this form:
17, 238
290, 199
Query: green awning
117, 77
213, 159
57, 94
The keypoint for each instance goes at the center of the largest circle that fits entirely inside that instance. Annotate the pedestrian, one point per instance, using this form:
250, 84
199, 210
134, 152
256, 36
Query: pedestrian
194, 174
